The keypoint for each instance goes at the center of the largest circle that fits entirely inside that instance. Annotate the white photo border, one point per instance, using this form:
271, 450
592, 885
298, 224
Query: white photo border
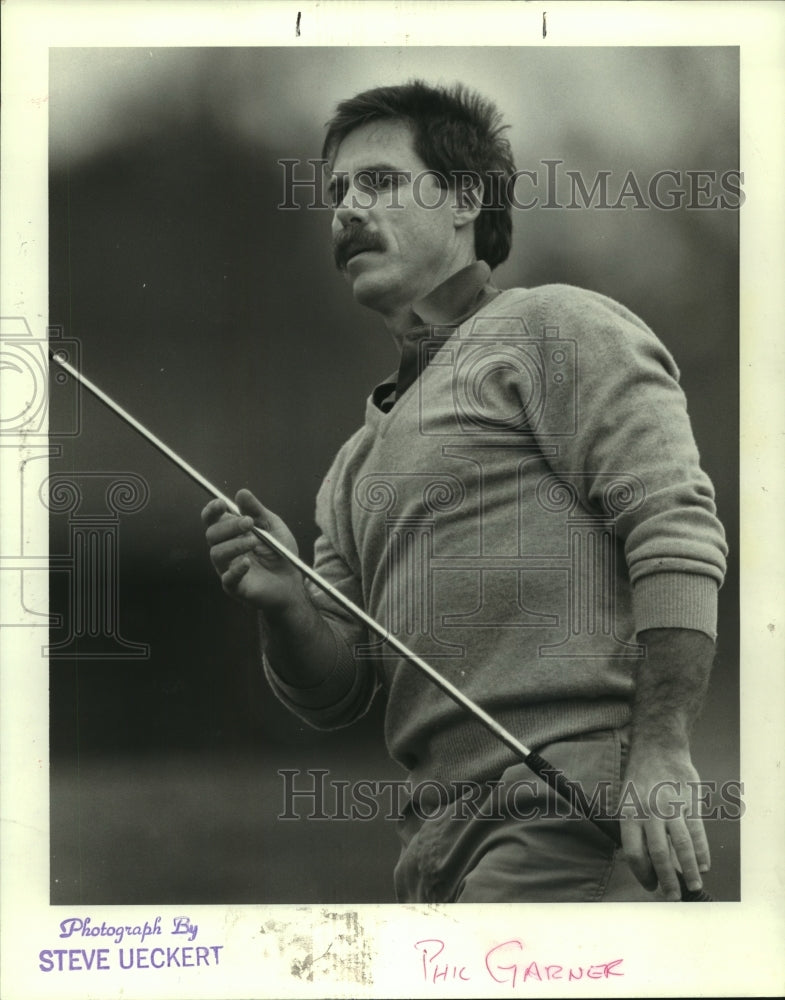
723, 950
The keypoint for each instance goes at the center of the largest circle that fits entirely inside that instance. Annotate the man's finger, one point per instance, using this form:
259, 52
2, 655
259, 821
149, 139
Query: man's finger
700, 843
229, 526
658, 847
684, 850
234, 574
223, 554
636, 853
212, 512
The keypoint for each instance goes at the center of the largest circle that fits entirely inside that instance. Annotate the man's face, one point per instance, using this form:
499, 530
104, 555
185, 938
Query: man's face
394, 229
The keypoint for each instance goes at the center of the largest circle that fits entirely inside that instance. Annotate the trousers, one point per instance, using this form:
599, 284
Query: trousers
519, 843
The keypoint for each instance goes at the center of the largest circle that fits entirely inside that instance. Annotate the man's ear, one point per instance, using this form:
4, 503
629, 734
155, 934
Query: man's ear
467, 202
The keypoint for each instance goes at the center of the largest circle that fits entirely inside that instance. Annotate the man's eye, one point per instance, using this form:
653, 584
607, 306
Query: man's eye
381, 179
365, 181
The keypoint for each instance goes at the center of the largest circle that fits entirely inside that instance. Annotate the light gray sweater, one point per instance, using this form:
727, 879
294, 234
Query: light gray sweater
532, 502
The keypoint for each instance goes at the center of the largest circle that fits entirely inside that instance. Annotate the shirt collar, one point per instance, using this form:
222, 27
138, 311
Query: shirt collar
447, 306
450, 301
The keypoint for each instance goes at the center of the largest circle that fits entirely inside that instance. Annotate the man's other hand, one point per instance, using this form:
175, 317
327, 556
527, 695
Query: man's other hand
661, 828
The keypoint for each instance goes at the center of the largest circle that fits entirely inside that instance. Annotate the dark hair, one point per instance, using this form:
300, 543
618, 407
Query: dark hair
455, 131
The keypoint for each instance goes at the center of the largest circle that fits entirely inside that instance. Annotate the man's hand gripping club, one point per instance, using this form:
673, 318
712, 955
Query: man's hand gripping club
250, 571
298, 643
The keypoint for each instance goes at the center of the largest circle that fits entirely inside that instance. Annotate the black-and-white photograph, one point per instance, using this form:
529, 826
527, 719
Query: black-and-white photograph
390, 468
477, 309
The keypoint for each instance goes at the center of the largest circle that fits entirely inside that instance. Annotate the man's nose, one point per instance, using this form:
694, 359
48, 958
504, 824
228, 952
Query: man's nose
353, 208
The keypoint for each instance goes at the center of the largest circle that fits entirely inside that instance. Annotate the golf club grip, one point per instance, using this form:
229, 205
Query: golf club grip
555, 778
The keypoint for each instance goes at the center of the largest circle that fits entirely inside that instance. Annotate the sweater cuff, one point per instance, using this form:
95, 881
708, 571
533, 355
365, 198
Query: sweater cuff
676, 600
330, 702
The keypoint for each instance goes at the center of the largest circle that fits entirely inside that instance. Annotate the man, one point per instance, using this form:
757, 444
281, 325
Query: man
524, 507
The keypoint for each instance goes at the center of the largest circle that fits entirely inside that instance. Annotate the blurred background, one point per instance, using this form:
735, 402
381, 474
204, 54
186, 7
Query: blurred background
219, 321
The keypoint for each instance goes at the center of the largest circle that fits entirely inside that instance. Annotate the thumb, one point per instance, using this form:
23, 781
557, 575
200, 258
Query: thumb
249, 505
265, 518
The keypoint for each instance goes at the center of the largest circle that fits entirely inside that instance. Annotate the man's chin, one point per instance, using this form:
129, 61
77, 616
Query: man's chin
369, 289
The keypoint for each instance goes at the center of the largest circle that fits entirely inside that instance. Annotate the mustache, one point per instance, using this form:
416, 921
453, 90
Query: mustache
353, 240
